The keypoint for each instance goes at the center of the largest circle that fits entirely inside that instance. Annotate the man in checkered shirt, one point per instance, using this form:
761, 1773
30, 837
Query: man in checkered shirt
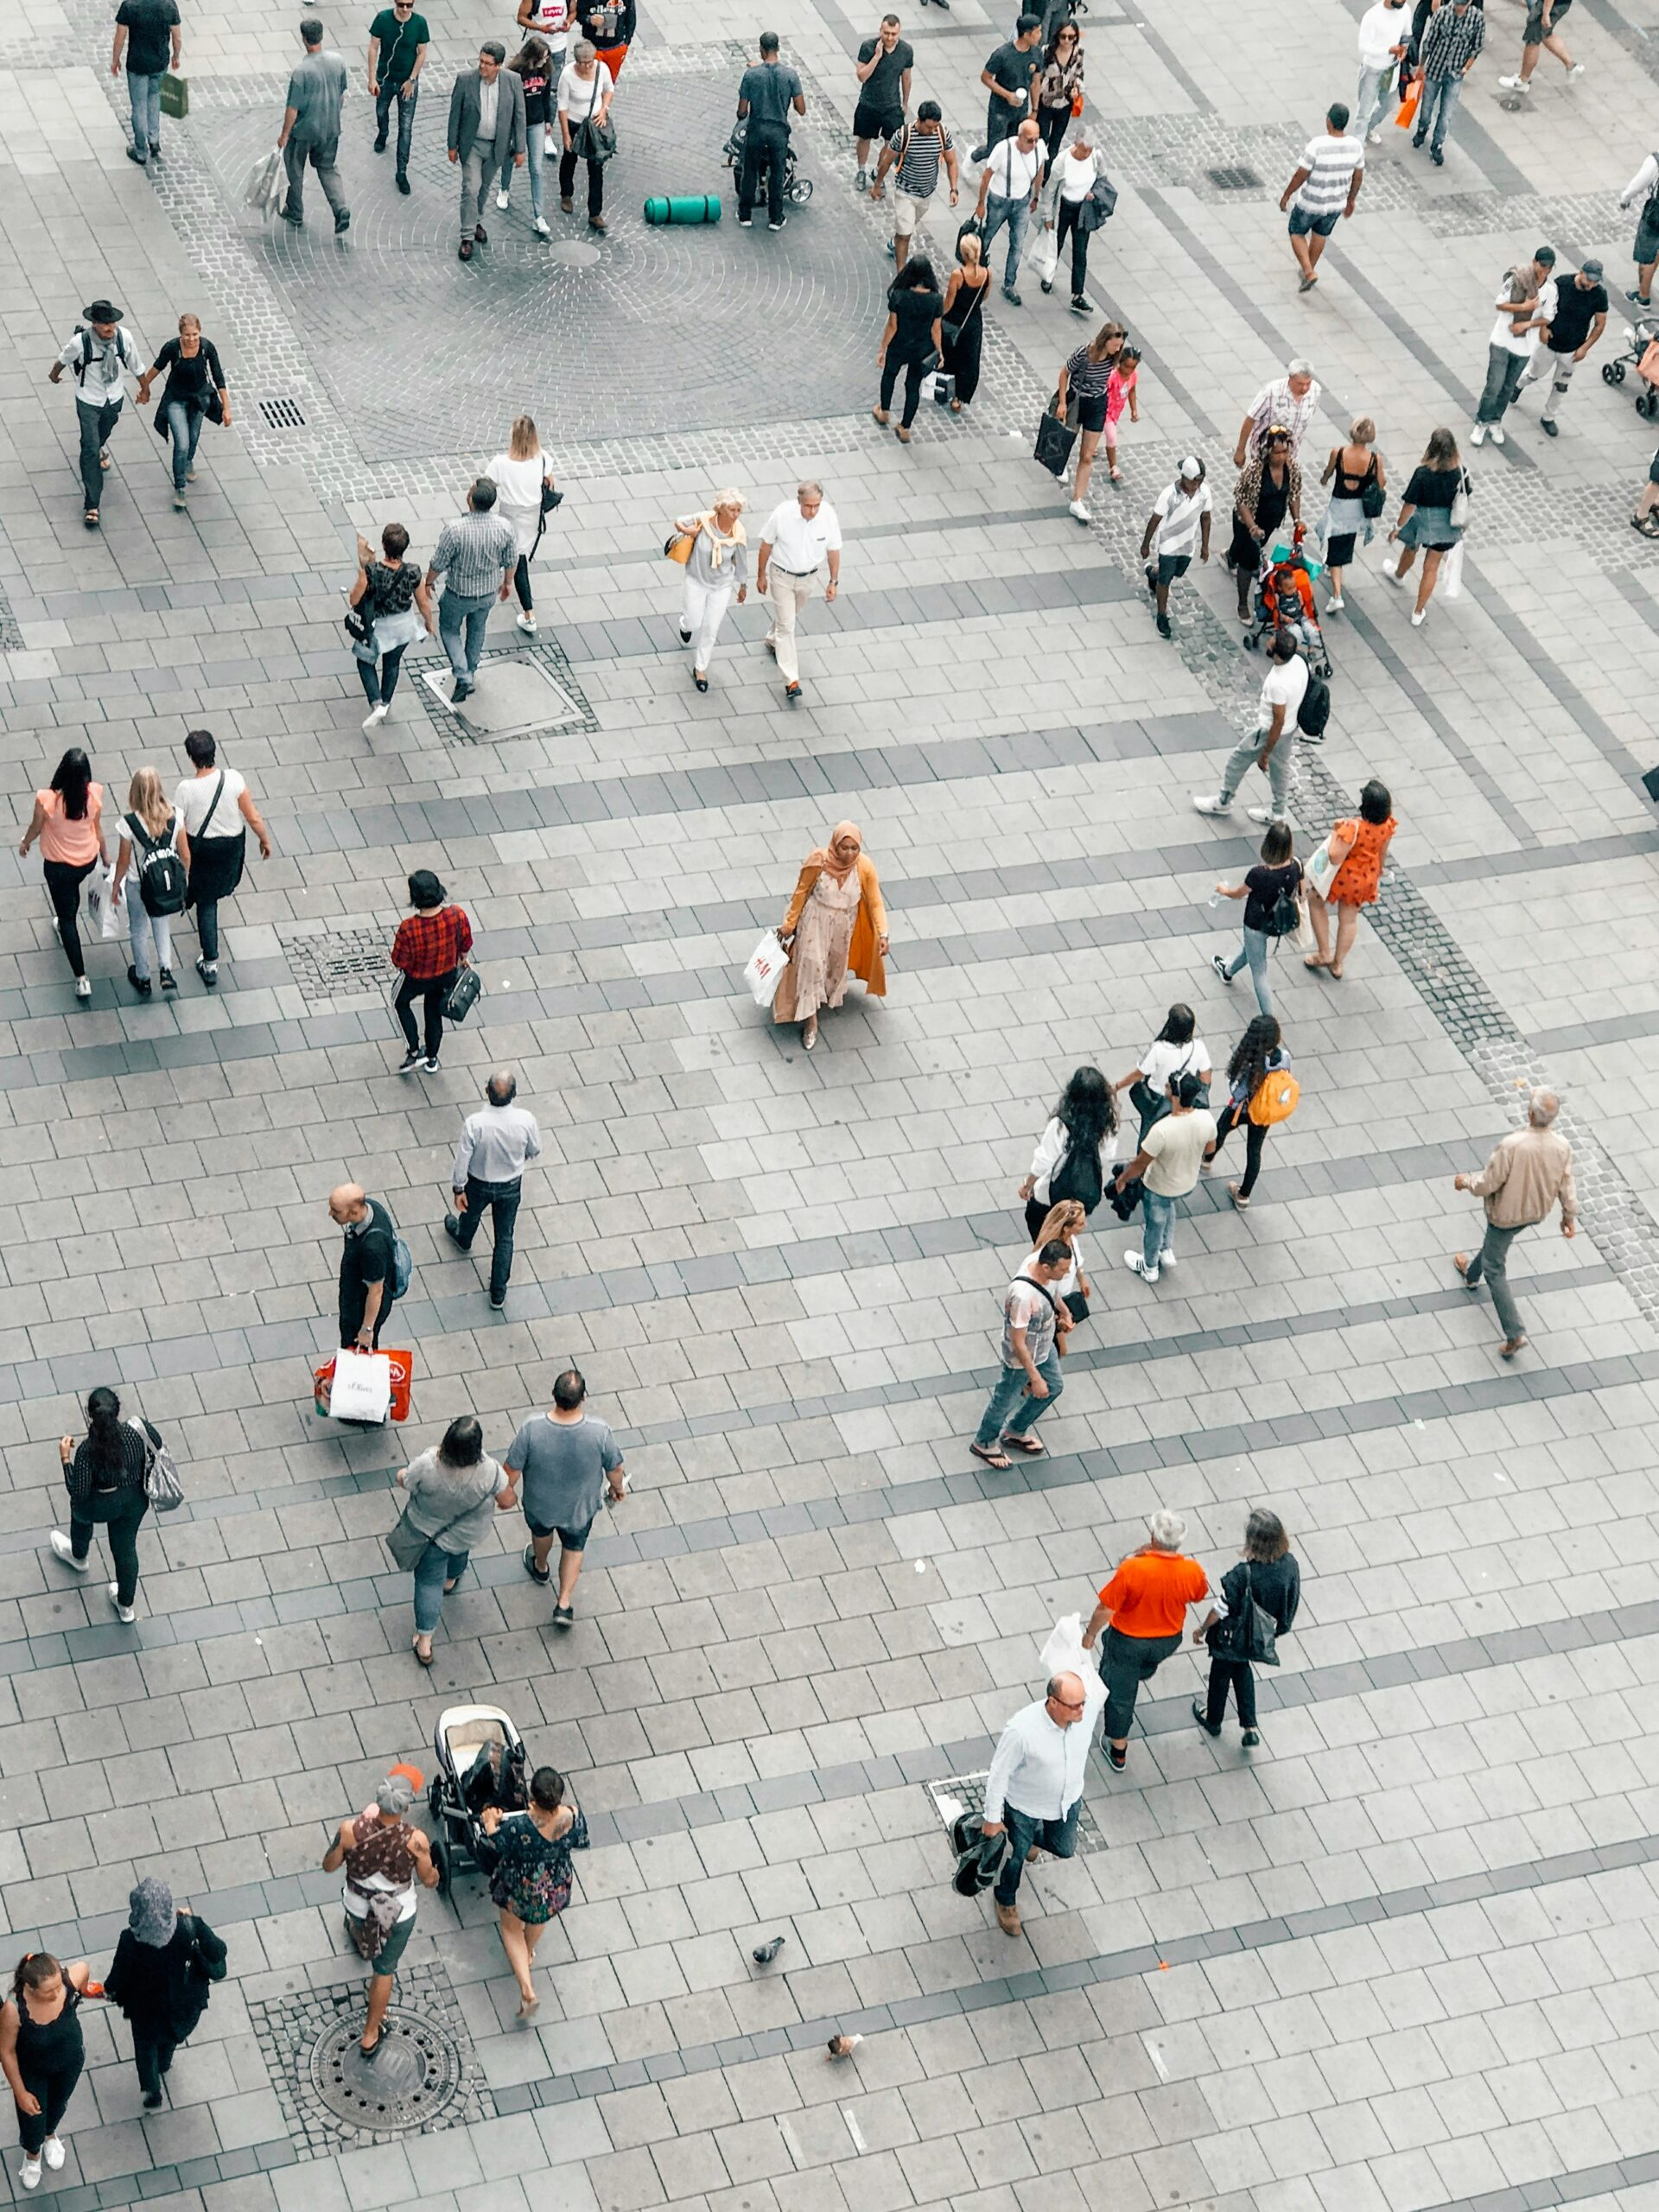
1452, 42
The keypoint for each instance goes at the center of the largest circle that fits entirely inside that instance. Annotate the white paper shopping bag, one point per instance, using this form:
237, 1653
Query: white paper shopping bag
362, 1386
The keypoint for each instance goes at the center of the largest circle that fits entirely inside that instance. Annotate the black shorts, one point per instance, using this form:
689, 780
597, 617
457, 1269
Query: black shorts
1170, 565
1091, 414
876, 122
570, 1539
1535, 34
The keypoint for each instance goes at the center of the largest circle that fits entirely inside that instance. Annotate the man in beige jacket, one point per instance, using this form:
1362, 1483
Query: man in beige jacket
1529, 1170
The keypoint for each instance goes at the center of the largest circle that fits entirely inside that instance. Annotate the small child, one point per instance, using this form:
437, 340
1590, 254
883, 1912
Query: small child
1121, 393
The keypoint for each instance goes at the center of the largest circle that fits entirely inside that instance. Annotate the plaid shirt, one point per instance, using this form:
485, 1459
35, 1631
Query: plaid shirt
1278, 404
473, 554
429, 945
1453, 41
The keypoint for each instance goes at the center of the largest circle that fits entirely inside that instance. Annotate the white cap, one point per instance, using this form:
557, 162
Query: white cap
1191, 466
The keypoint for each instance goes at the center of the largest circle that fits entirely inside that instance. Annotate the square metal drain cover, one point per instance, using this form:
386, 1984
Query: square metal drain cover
1236, 179
425, 2077
330, 964
519, 695
965, 1793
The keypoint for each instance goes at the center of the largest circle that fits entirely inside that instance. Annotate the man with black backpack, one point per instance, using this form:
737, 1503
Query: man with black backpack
1030, 1379
1269, 747
372, 1269
100, 357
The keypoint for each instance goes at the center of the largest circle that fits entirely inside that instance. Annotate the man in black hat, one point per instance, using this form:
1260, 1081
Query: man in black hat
100, 357
1580, 317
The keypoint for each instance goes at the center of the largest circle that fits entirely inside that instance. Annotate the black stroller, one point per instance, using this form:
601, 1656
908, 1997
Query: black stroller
797, 190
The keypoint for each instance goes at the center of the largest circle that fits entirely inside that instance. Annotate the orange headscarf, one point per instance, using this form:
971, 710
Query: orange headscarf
825, 856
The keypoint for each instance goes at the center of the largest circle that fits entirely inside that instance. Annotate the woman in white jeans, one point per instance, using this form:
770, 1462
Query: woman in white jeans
718, 567
519, 475
149, 827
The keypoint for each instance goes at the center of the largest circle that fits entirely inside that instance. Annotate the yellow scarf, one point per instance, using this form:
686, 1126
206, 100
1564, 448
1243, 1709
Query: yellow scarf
720, 546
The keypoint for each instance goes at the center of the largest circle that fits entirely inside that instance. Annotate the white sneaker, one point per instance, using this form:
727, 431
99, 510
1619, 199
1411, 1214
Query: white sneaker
1166, 1258
1263, 813
1577, 70
1515, 84
83, 987
1478, 435
65, 1551
1078, 511
1215, 805
527, 624
1376, 138
1334, 605
1419, 616
376, 715
122, 1612
56, 2153
1497, 434
550, 146
540, 228
31, 2173
1393, 576
1137, 1266
504, 201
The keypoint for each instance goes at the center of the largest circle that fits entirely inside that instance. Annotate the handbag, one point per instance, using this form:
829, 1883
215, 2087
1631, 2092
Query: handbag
1451, 573
1372, 502
175, 96
676, 546
407, 1544
1055, 438
1322, 868
1247, 1637
979, 1856
550, 499
464, 994
1458, 513
163, 1485
595, 141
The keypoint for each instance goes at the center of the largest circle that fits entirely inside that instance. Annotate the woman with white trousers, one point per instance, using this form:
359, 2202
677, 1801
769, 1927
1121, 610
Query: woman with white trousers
519, 475
718, 566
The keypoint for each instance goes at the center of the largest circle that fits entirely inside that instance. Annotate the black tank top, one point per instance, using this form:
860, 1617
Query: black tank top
1345, 485
54, 2046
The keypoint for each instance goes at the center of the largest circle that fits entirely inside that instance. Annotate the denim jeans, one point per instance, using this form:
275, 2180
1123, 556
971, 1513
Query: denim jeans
145, 94
95, 424
535, 169
1016, 213
379, 680
1009, 1410
1492, 1260
1372, 98
1024, 1829
433, 1569
207, 913
184, 427
145, 929
461, 625
1253, 954
1440, 97
1126, 1662
502, 1199
1157, 1221
1505, 371
383, 105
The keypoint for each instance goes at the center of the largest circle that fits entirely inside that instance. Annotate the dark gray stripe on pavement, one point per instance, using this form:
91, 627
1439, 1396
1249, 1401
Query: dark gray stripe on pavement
1587, 852
1639, 2172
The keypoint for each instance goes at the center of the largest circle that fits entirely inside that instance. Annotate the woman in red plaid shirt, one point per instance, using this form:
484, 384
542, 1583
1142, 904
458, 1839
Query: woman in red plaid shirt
430, 947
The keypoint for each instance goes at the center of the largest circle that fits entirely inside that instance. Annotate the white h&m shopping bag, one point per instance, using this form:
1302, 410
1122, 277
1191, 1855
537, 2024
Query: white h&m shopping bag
766, 969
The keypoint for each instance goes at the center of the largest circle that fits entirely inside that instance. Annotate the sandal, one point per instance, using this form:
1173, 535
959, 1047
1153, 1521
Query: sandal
992, 1457
955, 407
425, 1657
1030, 1447
1315, 960
902, 435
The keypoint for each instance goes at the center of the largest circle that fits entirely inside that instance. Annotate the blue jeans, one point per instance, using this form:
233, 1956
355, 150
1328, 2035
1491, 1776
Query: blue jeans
95, 424
1157, 1220
1254, 954
184, 427
1009, 1410
1505, 371
1024, 1829
145, 94
1016, 213
406, 103
502, 1199
379, 679
1375, 89
432, 1570
461, 625
1440, 97
535, 169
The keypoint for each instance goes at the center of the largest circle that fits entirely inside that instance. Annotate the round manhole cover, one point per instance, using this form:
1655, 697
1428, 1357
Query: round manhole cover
413, 2075
573, 253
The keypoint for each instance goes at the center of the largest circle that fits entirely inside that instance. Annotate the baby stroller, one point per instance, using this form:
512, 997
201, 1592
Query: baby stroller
481, 1761
1284, 600
797, 190
1642, 353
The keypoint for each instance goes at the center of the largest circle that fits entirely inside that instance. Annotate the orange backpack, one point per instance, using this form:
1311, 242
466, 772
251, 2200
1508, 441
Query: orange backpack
1276, 1098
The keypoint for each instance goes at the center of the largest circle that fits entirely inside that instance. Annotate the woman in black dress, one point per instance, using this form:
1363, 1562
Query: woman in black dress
911, 340
1268, 489
962, 320
164, 1963
195, 390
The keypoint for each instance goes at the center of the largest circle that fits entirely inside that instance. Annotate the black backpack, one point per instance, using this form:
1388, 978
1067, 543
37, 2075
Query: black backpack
1077, 1177
160, 871
1315, 710
1286, 913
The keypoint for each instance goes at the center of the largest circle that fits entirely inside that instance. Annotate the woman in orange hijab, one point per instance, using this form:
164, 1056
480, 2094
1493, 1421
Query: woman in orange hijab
836, 922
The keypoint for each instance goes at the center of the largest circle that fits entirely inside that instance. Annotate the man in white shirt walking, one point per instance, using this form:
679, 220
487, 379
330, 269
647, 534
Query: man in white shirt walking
1526, 307
1290, 401
1271, 746
100, 357
496, 1144
1384, 31
1035, 1788
801, 536
1179, 518
1326, 187
1008, 186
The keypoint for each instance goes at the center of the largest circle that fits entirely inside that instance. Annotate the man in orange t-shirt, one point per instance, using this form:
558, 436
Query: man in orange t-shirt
1146, 1604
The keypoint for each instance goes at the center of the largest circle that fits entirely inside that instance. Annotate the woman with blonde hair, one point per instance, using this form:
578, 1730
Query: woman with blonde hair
837, 924
1063, 1225
716, 567
1358, 471
962, 320
520, 475
151, 829
1085, 376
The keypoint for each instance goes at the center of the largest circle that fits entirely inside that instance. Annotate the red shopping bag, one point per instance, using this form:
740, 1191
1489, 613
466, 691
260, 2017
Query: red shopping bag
402, 1372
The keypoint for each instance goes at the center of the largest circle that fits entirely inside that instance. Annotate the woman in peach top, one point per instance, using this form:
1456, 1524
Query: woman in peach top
1356, 883
837, 925
1146, 1604
69, 821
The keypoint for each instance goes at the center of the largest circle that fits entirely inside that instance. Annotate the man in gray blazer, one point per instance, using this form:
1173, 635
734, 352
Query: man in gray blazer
486, 124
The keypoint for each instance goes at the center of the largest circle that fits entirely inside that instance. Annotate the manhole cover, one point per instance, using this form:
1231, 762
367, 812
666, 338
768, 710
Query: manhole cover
526, 693
1235, 179
412, 2076
965, 1793
336, 964
573, 253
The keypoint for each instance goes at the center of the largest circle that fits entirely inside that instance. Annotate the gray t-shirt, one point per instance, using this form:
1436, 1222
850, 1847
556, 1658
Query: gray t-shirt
438, 1493
564, 1465
314, 92
769, 87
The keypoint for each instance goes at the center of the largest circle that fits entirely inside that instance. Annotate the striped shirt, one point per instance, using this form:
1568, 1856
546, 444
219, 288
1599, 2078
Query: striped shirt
1330, 164
918, 153
1453, 41
474, 553
1087, 378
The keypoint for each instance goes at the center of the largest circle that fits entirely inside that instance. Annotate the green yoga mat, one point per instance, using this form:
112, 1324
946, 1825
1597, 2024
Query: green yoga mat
685, 207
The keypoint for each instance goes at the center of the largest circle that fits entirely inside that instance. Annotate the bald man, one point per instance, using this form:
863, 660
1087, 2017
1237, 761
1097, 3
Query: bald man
495, 1146
368, 1281
1035, 1788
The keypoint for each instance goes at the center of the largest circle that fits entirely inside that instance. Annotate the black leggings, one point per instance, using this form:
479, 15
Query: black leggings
913, 373
1236, 1674
1051, 122
521, 583
63, 882
378, 689
434, 989
595, 181
1256, 1135
1069, 211
54, 2086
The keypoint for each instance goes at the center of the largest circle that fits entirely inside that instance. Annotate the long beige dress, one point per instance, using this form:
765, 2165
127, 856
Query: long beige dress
824, 943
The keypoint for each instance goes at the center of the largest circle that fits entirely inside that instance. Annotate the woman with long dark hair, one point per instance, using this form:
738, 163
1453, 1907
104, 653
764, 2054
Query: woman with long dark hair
455, 1490
1066, 1163
911, 340
69, 821
533, 67
104, 1475
1059, 85
1356, 883
42, 2052
1258, 1054
530, 1876
1177, 1049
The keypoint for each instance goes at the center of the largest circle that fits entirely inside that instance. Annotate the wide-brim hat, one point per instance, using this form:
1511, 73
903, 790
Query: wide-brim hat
101, 311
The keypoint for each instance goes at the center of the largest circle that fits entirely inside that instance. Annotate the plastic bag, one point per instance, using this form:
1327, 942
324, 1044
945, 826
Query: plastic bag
359, 1388
1063, 1654
268, 186
110, 907
1451, 573
766, 969
1045, 255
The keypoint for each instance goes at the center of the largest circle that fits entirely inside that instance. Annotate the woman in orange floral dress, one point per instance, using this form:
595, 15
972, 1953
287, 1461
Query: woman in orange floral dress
1356, 883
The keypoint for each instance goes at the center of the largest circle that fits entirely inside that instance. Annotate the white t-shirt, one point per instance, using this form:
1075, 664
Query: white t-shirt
551, 19
1159, 1061
1078, 176
1526, 346
518, 495
1012, 170
1284, 685
195, 794
579, 95
1182, 518
1381, 28
169, 843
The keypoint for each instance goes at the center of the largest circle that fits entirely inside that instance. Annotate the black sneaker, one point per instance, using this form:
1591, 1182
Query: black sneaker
170, 981
409, 1062
152, 2101
564, 1616
452, 1228
1549, 427
208, 971
1115, 1759
342, 222
1249, 1739
779, 225
133, 155
1163, 630
1210, 1727
1080, 305
288, 216
1225, 973
430, 1064
498, 1303
140, 983
746, 222
403, 186
380, 143
543, 1574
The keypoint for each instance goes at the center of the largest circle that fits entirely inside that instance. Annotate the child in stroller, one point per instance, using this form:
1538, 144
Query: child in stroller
797, 190
482, 1762
1284, 600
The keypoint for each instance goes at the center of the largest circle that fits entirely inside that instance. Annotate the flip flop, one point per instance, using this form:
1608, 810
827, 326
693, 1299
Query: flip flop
1314, 960
1000, 1461
425, 1657
1029, 1448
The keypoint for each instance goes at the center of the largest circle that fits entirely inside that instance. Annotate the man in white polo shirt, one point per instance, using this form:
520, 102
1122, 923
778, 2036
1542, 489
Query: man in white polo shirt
1325, 189
1034, 1788
801, 536
1179, 520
